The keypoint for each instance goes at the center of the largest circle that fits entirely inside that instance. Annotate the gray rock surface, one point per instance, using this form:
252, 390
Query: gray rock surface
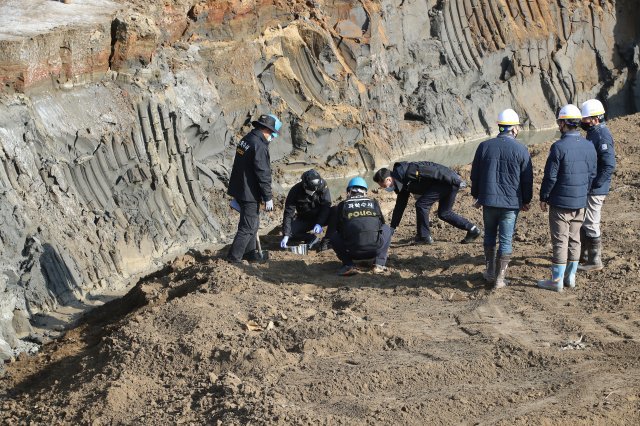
115, 149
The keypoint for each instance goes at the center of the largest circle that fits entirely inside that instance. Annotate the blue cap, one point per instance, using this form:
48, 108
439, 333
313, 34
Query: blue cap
358, 181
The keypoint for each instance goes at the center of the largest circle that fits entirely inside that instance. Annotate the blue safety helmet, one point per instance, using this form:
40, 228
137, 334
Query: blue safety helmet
357, 182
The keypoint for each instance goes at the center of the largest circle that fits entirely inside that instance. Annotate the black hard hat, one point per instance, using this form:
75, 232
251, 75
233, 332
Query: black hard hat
312, 181
268, 121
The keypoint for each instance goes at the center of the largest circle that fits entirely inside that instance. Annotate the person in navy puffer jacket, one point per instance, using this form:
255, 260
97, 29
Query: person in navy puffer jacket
568, 176
600, 136
502, 184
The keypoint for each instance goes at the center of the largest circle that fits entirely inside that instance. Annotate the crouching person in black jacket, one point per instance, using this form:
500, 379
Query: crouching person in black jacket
432, 182
360, 230
306, 209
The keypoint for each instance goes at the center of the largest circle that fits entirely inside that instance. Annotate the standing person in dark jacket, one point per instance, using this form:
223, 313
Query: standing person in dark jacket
306, 208
502, 184
600, 136
360, 231
568, 174
432, 182
250, 184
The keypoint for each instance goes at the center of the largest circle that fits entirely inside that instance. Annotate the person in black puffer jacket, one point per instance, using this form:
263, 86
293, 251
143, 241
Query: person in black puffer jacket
599, 135
568, 176
502, 184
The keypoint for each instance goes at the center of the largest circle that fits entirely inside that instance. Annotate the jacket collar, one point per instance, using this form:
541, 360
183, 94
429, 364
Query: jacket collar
596, 127
260, 135
398, 173
506, 135
571, 133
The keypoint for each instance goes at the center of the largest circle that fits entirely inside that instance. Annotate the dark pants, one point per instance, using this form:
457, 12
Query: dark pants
245, 239
300, 228
347, 257
445, 195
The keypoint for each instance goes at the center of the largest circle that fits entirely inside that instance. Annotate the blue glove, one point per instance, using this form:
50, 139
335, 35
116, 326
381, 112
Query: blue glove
268, 206
283, 243
393, 231
317, 229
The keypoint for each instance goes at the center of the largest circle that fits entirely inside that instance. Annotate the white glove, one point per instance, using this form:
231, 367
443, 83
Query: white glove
317, 229
283, 243
268, 206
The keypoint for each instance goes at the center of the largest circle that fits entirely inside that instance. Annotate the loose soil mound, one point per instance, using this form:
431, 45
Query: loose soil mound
290, 342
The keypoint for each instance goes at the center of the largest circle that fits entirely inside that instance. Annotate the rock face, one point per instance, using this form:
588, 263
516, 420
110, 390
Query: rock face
118, 119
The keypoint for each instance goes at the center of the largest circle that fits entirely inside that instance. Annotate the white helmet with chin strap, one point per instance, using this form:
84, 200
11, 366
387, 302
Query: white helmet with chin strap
508, 117
571, 115
592, 108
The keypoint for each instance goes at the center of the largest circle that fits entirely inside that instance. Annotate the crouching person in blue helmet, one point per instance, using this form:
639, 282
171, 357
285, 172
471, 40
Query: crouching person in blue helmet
360, 232
250, 185
306, 209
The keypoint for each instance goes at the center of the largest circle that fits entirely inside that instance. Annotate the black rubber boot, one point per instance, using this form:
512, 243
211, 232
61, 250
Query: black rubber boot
584, 246
594, 262
489, 273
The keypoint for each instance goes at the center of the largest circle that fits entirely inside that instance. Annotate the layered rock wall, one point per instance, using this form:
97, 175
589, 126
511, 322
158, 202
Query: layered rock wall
118, 119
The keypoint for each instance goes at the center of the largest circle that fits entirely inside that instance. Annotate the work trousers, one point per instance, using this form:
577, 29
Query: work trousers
565, 233
348, 256
499, 225
445, 195
300, 229
592, 215
245, 239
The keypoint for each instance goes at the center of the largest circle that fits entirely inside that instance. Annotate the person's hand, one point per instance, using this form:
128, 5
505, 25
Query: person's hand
543, 206
476, 204
393, 231
526, 207
317, 229
462, 184
268, 206
285, 240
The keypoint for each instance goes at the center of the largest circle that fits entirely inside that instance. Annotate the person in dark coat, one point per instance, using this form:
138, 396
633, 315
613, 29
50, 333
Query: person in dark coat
306, 208
360, 232
250, 185
502, 184
432, 182
599, 135
568, 176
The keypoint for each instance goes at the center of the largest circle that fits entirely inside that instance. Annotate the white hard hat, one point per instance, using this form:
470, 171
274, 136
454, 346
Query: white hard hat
508, 117
569, 112
592, 108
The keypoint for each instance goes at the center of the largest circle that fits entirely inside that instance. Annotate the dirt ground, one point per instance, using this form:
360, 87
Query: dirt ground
203, 341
